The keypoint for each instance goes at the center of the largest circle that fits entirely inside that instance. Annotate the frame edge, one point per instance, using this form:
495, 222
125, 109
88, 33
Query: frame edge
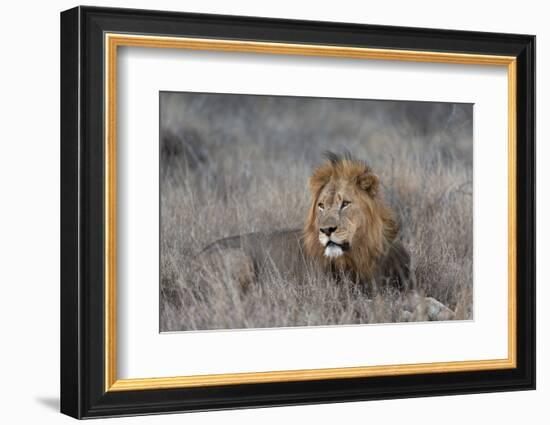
70, 349
526, 181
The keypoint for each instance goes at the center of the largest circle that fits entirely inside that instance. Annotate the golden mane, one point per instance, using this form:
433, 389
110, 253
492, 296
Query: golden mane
371, 243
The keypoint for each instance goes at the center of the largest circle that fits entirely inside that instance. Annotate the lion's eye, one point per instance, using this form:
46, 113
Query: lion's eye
345, 204
321, 206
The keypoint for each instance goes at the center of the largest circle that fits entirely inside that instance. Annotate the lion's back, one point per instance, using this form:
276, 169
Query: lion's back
280, 251
395, 269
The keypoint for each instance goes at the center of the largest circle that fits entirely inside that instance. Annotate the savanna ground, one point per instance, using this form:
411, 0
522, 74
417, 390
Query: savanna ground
233, 164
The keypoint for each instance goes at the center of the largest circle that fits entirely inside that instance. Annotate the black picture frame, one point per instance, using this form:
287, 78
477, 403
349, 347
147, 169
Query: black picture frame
83, 392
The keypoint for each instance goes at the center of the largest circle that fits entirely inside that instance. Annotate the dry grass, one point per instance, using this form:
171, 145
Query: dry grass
239, 164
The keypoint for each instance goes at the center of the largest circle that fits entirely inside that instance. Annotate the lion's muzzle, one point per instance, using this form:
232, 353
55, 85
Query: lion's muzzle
333, 249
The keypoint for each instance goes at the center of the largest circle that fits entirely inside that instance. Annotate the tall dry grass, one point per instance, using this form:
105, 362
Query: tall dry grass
237, 164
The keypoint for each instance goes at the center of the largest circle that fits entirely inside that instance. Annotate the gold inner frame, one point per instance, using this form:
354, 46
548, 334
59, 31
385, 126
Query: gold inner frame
113, 41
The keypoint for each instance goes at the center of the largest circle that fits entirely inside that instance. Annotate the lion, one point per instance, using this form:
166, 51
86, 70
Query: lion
349, 230
350, 227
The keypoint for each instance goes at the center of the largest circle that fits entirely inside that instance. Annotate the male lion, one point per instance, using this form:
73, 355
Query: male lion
349, 230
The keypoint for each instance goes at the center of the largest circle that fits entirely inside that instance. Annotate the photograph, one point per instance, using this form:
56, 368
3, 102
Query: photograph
287, 211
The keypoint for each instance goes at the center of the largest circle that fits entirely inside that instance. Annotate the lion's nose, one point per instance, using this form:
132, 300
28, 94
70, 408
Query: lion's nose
328, 230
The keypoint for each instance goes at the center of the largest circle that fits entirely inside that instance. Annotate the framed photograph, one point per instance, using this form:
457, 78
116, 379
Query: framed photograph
260, 212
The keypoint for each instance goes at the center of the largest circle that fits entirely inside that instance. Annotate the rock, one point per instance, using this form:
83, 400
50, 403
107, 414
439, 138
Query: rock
406, 316
437, 311
417, 308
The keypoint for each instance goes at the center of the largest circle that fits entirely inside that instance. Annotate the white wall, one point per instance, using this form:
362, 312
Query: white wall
29, 224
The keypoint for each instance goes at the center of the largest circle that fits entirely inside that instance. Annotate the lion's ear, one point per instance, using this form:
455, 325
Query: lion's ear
369, 183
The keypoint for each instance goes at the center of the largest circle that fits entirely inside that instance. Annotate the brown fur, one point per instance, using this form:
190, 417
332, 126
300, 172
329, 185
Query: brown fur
367, 224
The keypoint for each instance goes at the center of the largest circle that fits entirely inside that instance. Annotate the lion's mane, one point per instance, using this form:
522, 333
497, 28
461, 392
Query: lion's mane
372, 247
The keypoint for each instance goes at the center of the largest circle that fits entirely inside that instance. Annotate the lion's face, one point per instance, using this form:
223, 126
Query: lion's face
339, 217
348, 223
